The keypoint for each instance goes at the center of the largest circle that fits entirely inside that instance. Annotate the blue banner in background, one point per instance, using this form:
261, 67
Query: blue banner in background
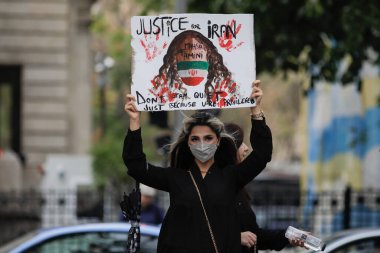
343, 131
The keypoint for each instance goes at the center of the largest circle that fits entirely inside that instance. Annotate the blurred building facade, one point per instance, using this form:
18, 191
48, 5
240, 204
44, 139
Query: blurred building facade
45, 85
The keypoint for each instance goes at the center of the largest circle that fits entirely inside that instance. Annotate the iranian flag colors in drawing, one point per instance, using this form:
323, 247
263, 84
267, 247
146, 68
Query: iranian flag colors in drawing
192, 73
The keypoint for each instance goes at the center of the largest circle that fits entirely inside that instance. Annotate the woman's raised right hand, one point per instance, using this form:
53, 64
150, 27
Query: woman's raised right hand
131, 108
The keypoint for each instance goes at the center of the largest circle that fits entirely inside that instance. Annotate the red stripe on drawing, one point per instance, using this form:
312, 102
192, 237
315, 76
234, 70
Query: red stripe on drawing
192, 81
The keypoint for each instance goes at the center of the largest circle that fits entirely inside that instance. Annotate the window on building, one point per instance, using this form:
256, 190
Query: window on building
5, 108
10, 108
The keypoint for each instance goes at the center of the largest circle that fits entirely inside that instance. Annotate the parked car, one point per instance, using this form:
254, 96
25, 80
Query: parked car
354, 241
89, 238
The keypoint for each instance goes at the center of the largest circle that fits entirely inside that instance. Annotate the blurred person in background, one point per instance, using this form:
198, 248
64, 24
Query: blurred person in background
150, 212
253, 237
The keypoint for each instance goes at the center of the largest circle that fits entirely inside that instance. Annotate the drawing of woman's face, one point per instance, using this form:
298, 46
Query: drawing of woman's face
192, 64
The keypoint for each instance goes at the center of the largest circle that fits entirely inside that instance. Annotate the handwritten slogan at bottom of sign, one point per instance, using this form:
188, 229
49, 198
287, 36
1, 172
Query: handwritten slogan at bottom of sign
193, 61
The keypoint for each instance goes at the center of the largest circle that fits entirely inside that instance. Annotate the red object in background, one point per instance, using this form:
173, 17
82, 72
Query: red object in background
40, 169
1, 152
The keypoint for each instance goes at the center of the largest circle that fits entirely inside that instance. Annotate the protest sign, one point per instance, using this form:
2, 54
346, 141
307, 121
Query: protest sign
193, 61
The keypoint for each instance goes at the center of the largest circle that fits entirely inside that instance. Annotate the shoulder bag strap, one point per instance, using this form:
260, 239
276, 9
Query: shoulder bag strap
204, 210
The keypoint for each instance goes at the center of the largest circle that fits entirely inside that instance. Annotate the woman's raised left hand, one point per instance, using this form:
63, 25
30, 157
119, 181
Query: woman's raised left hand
257, 94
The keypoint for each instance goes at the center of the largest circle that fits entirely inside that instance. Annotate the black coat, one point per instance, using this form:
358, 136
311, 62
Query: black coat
267, 239
184, 229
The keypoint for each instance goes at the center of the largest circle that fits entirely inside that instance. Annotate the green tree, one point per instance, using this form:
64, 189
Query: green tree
111, 37
110, 40
314, 35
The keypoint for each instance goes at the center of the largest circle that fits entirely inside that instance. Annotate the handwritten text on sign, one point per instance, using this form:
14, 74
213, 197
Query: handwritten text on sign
193, 61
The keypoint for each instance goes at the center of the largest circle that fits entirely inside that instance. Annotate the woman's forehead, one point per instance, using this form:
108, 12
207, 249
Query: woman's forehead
202, 130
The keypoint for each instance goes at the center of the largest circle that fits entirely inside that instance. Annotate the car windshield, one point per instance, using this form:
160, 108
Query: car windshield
339, 235
93, 242
108, 239
335, 237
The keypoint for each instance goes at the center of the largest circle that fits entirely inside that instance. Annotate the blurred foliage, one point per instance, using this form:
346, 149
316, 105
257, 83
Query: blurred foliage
107, 162
161, 6
107, 149
111, 38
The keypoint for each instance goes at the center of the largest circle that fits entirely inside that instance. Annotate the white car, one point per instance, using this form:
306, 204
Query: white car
365, 240
89, 238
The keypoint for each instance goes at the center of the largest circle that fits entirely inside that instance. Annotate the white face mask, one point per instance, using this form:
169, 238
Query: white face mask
203, 151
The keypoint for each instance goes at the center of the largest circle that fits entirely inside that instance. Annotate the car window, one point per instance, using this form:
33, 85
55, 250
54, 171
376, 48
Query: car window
104, 242
369, 245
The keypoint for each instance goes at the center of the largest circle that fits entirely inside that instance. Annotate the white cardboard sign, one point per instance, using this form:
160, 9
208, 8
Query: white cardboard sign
193, 61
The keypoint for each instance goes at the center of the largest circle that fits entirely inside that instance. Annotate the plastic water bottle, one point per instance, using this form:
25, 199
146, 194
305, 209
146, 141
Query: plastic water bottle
309, 241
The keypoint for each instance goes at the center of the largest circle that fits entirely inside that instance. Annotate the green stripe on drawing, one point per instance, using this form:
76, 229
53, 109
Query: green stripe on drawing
185, 65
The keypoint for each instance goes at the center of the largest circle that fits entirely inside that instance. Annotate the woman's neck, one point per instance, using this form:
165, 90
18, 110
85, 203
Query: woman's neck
204, 167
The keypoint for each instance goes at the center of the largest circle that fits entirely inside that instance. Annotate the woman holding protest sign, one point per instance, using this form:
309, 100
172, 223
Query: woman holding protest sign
203, 179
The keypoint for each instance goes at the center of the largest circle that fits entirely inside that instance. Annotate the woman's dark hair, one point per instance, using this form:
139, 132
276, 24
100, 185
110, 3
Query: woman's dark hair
181, 156
217, 71
236, 131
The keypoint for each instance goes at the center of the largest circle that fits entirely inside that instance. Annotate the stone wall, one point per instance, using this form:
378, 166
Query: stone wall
50, 40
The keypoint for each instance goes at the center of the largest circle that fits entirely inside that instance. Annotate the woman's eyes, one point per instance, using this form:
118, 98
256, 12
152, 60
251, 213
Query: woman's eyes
206, 138
194, 138
209, 138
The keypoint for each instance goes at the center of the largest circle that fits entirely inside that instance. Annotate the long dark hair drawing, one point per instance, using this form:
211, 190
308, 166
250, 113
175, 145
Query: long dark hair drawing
218, 74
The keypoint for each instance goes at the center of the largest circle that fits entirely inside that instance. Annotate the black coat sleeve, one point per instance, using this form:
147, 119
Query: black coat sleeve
267, 239
256, 161
138, 168
271, 239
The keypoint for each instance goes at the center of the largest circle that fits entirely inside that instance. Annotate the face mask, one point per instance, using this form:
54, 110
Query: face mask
203, 151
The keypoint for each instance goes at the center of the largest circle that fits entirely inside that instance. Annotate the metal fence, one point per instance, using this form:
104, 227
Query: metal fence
322, 213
